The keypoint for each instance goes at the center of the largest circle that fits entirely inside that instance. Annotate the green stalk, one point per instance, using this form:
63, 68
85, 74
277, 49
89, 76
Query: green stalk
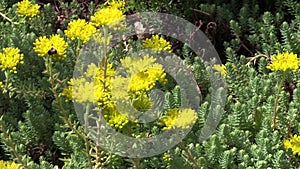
189, 155
279, 85
7, 18
49, 68
7, 80
11, 145
103, 63
86, 140
136, 163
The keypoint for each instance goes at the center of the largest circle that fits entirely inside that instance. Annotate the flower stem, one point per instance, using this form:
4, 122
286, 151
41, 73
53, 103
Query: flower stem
136, 163
98, 150
7, 81
7, 18
276, 102
11, 145
103, 63
86, 140
189, 155
57, 98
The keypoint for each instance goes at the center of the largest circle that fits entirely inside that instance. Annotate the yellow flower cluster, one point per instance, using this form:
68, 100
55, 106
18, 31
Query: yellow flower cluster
1, 85
80, 29
26, 8
67, 91
97, 83
101, 39
91, 87
221, 69
94, 89
145, 80
167, 157
80, 90
10, 58
141, 102
157, 44
111, 16
9, 165
120, 4
284, 62
103, 87
55, 47
116, 119
176, 118
293, 143
144, 73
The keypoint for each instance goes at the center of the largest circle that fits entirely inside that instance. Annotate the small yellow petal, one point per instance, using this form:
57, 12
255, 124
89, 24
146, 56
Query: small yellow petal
284, 62
157, 44
10, 58
26, 8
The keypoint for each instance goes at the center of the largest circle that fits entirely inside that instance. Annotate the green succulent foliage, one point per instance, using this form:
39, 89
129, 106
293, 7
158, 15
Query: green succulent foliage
271, 32
290, 35
77, 160
259, 112
43, 165
245, 138
7, 3
173, 99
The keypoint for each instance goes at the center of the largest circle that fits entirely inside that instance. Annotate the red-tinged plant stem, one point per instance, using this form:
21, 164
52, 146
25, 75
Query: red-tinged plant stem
87, 149
189, 155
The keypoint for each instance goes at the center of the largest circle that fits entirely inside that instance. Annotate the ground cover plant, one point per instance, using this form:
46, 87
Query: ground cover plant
45, 81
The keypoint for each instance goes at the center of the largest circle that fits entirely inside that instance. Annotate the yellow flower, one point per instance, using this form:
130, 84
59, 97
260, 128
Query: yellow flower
143, 73
95, 87
111, 15
1, 85
103, 95
146, 79
116, 119
293, 143
136, 64
9, 165
141, 102
119, 85
157, 44
120, 4
101, 39
26, 8
67, 92
92, 87
221, 69
284, 62
80, 29
55, 47
80, 90
10, 58
176, 118
167, 157
103, 87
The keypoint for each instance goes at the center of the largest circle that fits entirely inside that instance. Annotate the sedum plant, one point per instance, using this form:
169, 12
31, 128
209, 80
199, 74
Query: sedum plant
39, 127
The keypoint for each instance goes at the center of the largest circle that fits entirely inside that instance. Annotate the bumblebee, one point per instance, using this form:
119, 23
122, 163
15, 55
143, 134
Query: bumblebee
52, 51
